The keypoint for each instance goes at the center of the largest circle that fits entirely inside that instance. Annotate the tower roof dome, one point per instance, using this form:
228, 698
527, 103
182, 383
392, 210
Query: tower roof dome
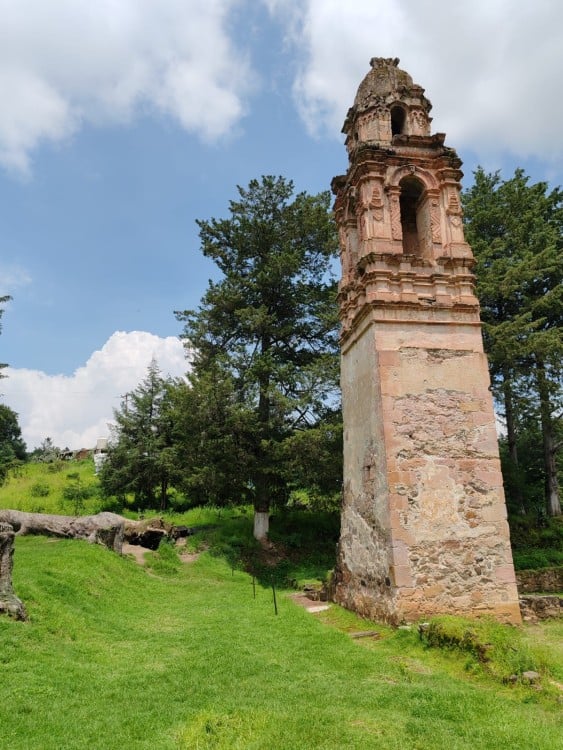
384, 78
385, 86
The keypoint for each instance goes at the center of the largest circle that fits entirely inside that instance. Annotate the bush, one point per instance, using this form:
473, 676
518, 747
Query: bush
39, 489
497, 649
537, 541
111, 505
536, 559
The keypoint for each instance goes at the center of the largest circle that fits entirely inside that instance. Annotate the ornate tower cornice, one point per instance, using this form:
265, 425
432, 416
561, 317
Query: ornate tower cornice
398, 207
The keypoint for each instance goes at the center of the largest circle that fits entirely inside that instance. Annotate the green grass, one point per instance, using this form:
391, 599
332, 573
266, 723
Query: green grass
184, 656
536, 542
39, 487
117, 656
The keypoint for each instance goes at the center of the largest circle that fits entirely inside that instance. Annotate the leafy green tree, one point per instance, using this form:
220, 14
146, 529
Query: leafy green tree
47, 452
140, 457
515, 230
269, 325
12, 447
312, 461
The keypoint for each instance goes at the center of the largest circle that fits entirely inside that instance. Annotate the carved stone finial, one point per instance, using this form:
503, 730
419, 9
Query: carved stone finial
380, 62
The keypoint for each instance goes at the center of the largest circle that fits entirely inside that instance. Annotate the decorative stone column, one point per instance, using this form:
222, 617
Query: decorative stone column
424, 527
9, 602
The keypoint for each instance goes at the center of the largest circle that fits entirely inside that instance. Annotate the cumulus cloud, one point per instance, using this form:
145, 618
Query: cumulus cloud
491, 67
63, 64
75, 410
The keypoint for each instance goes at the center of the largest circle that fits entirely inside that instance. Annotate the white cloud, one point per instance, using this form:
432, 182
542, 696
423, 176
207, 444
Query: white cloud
12, 276
64, 63
491, 68
75, 410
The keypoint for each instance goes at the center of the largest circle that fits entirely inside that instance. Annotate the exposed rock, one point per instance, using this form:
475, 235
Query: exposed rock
537, 607
150, 532
546, 580
147, 533
530, 676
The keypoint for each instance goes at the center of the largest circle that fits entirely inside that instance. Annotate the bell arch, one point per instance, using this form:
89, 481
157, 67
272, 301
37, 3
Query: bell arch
398, 119
427, 178
413, 216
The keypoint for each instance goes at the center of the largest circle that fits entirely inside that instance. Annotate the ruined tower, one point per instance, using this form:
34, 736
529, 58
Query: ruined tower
424, 527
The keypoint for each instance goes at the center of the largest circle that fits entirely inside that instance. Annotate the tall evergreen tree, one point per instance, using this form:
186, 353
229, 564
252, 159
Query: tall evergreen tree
269, 324
516, 231
141, 457
213, 437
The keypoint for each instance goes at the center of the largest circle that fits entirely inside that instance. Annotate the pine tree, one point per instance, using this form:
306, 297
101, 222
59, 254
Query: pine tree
515, 230
270, 324
141, 458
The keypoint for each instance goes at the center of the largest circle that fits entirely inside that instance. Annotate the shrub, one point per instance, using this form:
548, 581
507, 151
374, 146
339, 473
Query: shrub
39, 489
536, 559
498, 649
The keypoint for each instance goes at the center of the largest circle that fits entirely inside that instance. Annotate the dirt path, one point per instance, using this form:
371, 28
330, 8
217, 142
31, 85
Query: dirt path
139, 552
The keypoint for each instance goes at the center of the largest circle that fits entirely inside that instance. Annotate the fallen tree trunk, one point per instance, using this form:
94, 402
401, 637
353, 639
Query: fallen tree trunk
102, 528
9, 602
108, 529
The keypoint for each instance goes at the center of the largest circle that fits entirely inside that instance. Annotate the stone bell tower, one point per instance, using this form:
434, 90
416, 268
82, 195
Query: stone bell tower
424, 527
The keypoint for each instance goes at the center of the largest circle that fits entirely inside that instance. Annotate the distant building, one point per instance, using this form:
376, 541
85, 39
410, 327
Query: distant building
100, 453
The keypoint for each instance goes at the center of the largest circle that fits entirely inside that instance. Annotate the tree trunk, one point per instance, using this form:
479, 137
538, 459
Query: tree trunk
103, 528
552, 498
261, 524
163, 492
9, 602
512, 440
108, 529
262, 501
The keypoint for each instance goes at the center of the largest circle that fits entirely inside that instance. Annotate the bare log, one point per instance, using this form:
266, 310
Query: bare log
9, 602
150, 532
108, 529
102, 528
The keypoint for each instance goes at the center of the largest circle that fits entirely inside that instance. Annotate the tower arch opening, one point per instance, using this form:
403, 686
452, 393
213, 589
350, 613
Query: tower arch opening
398, 120
414, 219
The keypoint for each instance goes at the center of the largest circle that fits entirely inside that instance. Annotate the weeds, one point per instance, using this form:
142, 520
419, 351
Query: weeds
500, 650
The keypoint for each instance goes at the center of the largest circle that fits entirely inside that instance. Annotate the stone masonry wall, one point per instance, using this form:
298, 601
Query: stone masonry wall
424, 518
547, 580
364, 544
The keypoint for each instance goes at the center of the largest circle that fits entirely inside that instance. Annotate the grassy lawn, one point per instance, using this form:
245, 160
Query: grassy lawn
39, 487
183, 656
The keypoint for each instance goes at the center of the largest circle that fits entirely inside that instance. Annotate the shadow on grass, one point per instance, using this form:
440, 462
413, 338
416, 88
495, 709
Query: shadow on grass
301, 547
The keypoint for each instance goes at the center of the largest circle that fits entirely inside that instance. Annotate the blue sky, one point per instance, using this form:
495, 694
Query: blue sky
126, 120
